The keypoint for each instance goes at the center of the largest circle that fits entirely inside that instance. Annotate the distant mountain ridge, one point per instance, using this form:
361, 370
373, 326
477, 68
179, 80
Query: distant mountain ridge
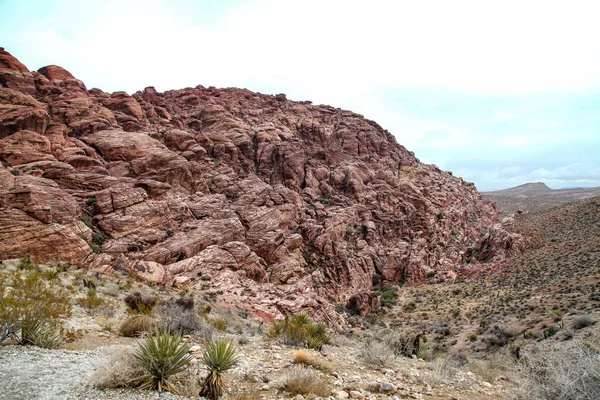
539, 189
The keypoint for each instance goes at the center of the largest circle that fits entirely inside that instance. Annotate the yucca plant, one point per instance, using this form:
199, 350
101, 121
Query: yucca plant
218, 357
317, 336
161, 355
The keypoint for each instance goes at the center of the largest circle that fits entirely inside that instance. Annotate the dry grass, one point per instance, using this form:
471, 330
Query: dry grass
568, 370
441, 370
492, 369
108, 324
119, 369
301, 357
188, 383
137, 325
304, 357
251, 393
300, 380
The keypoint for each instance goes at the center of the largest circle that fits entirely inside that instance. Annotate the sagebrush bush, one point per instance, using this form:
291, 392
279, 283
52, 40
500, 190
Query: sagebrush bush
161, 356
31, 309
118, 371
137, 325
583, 321
377, 353
176, 317
304, 381
218, 357
563, 370
139, 303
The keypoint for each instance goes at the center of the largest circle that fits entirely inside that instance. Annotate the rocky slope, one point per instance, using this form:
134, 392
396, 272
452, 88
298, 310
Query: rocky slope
277, 205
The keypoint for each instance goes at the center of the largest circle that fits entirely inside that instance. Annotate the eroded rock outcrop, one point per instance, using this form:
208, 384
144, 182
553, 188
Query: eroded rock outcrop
281, 206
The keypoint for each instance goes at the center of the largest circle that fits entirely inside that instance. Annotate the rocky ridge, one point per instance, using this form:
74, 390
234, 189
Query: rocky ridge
275, 205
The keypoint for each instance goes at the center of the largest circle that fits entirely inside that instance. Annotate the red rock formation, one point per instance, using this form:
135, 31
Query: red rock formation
363, 303
280, 205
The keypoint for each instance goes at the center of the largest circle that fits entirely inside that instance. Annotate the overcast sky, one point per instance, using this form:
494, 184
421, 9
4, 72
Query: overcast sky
499, 92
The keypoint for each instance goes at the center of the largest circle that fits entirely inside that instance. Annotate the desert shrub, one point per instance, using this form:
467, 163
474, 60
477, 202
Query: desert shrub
441, 370
31, 309
405, 344
501, 335
91, 301
50, 274
139, 303
300, 380
491, 368
136, 325
300, 330
185, 302
87, 220
173, 317
389, 296
26, 264
582, 321
218, 357
301, 357
377, 353
119, 369
110, 289
305, 358
563, 370
161, 356
219, 324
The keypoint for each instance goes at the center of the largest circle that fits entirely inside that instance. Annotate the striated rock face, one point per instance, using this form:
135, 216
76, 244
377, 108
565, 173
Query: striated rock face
280, 205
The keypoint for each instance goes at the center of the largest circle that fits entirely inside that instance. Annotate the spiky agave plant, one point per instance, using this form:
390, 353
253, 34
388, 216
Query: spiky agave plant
161, 355
218, 357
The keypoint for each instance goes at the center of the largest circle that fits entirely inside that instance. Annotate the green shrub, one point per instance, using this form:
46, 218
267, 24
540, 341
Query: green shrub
300, 330
218, 357
31, 307
87, 220
161, 356
26, 264
91, 301
50, 274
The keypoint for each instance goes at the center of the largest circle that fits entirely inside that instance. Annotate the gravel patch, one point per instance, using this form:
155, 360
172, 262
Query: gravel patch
32, 373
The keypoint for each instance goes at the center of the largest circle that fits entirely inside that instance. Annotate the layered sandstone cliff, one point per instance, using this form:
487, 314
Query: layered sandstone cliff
281, 205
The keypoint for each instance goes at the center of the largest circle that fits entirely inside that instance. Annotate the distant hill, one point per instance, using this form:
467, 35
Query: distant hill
539, 189
536, 196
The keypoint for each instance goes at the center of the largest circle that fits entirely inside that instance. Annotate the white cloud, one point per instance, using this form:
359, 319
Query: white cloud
344, 53
509, 46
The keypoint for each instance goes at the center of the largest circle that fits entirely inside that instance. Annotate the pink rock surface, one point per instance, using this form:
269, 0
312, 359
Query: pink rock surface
281, 206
